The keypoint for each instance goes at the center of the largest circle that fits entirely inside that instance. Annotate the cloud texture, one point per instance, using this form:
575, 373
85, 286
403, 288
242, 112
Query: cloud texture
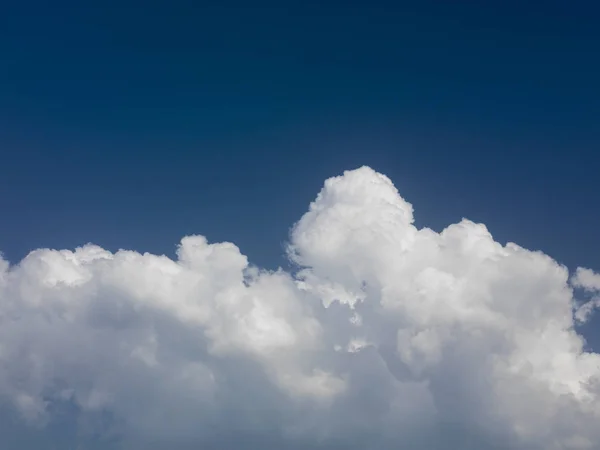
388, 336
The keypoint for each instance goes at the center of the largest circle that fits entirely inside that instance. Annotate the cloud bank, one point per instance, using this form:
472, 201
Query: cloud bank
387, 336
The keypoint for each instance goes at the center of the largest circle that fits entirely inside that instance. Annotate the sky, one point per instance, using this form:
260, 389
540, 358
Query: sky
291, 224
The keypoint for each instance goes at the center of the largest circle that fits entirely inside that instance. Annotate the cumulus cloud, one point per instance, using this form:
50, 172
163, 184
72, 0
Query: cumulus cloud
387, 336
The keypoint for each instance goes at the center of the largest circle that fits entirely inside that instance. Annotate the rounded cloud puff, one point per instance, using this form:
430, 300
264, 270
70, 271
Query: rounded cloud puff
388, 336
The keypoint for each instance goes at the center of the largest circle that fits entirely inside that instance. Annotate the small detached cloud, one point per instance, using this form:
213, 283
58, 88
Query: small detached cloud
387, 336
589, 281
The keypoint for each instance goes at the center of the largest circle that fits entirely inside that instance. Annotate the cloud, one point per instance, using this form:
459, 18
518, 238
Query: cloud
589, 281
387, 336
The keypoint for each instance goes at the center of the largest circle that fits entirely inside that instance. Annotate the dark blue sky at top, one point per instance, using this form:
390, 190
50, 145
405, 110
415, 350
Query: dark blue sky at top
131, 124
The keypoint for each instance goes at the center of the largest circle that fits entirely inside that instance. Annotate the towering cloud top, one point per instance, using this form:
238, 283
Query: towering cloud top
388, 336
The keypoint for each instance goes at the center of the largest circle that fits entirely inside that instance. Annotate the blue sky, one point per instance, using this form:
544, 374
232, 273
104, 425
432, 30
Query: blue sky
121, 118
130, 125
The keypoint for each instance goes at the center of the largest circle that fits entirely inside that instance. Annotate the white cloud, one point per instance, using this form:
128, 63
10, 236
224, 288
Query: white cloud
388, 337
589, 281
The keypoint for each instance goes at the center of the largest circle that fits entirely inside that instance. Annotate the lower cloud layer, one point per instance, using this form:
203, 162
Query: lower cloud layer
387, 336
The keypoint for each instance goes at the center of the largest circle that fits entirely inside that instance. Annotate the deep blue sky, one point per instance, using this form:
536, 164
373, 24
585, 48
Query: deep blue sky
131, 124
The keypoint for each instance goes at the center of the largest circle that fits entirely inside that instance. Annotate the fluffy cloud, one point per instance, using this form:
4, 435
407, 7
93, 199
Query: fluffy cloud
387, 336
